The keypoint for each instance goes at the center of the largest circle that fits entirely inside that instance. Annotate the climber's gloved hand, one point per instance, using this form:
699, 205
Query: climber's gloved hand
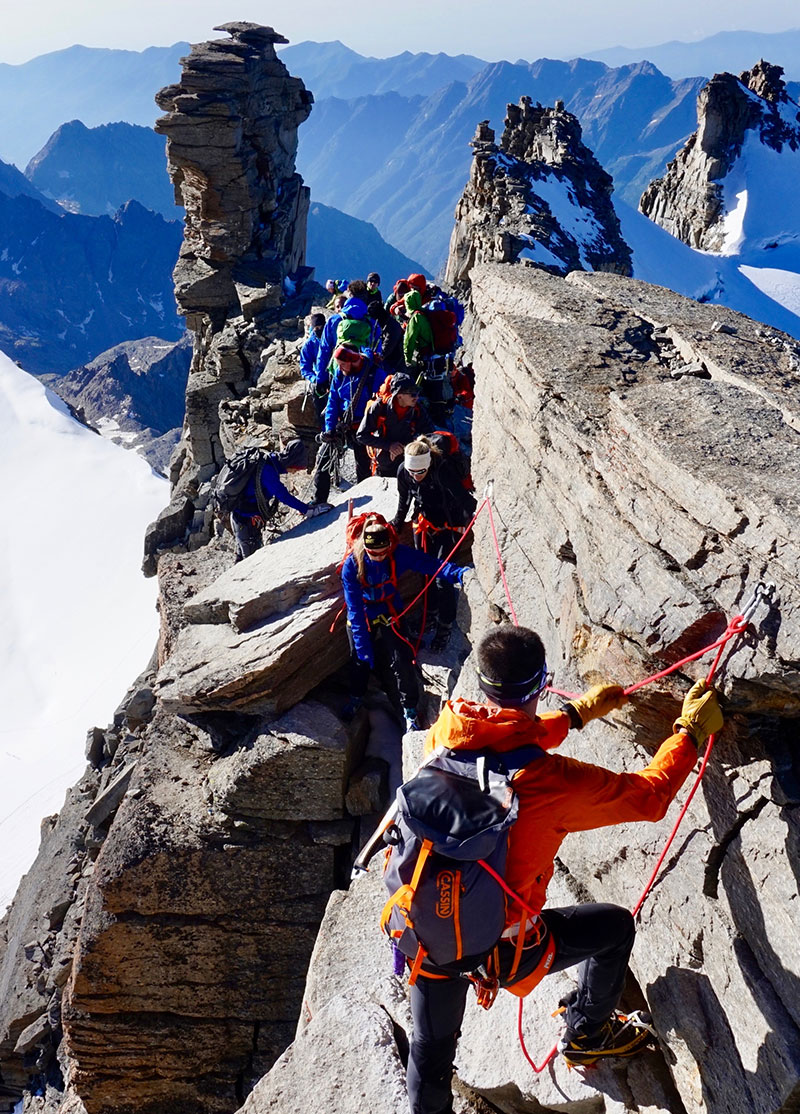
700, 715
327, 437
595, 703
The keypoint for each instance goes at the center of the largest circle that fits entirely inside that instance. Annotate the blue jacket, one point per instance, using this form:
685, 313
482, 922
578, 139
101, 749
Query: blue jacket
353, 307
379, 595
308, 356
344, 388
271, 469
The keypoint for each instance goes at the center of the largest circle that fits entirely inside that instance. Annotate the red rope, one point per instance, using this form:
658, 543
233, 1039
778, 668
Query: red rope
500, 563
431, 579
735, 627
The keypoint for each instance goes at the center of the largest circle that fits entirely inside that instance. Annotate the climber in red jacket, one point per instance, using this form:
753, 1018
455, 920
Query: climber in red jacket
557, 795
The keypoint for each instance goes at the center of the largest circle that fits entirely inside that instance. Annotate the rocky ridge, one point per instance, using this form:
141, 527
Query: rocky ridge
133, 394
643, 452
690, 201
539, 196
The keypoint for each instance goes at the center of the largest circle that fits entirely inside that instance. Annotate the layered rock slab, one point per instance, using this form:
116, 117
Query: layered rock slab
251, 635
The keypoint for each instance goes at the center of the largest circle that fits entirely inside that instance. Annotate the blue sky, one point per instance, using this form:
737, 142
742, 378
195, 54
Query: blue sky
506, 29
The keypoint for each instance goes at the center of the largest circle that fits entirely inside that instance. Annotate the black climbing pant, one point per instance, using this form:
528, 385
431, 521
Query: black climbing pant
326, 460
394, 668
247, 536
598, 937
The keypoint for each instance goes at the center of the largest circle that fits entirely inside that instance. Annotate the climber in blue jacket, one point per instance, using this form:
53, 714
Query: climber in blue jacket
261, 494
370, 574
308, 359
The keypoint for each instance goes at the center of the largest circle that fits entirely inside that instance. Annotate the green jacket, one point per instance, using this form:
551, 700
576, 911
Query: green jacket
418, 338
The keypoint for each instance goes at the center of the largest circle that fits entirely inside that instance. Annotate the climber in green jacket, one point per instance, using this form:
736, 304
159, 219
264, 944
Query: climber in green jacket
418, 339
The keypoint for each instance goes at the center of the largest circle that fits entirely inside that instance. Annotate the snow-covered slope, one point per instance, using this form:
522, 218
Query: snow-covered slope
742, 281
78, 619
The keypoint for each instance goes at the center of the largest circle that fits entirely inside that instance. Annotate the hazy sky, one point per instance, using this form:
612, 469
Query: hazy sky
503, 29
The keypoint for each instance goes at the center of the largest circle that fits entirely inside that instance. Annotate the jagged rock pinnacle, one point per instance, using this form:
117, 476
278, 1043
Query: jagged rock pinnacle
540, 195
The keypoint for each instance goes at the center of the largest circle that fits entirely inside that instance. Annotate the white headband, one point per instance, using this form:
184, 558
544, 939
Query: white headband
417, 463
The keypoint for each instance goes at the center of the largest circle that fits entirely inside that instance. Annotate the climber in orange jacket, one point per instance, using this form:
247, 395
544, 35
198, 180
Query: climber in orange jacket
557, 795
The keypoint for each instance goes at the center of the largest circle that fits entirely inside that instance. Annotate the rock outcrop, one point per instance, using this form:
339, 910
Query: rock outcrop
691, 200
539, 196
231, 127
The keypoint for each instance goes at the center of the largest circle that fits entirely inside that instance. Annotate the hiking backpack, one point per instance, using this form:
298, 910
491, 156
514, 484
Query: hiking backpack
444, 328
448, 445
354, 332
233, 477
449, 832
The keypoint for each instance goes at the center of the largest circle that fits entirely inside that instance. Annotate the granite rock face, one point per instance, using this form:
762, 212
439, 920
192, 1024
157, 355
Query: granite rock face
652, 504
690, 200
540, 196
231, 127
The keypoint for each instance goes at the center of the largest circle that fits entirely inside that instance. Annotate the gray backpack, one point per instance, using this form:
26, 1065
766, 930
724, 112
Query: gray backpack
448, 840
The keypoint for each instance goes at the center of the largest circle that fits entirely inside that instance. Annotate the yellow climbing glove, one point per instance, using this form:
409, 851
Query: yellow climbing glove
700, 715
595, 703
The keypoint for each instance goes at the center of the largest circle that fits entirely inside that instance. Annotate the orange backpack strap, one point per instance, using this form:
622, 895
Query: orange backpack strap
403, 897
419, 959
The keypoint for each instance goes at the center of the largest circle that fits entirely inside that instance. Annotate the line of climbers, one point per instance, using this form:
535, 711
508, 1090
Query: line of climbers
472, 838
378, 380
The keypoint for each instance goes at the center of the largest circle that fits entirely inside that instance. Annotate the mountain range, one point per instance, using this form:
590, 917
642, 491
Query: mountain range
727, 50
73, 285
386, 167
90, 84
401, 161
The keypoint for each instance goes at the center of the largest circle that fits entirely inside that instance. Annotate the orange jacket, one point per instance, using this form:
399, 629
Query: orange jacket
558, 795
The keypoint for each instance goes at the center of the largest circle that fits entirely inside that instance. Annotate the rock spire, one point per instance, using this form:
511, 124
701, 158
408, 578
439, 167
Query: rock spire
690, 200
539, 196
231, 126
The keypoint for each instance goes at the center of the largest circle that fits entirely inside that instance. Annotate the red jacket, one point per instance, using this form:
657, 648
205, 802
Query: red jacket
558, 795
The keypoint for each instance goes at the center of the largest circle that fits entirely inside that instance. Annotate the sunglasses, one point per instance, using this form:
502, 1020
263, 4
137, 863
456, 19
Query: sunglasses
417, 471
